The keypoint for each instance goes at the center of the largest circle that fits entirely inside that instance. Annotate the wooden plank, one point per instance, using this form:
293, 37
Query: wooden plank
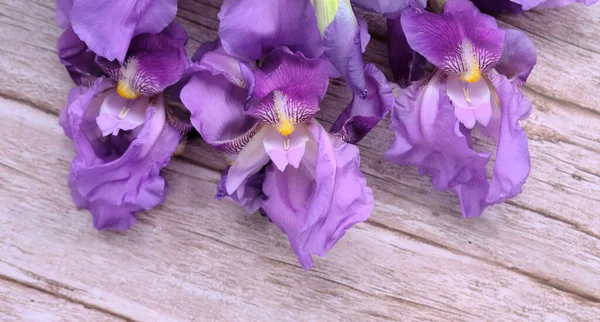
22, 303
205, 258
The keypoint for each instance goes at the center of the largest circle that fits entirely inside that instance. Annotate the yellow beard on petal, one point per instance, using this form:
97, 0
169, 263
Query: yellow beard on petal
126, 91
128, 71
469, 58
285, 126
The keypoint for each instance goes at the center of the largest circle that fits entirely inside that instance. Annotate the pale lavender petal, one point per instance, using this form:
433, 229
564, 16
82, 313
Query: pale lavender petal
362, 115
483, 113
107, 26
518, 57
465, 116
120, 114
316, 203
284, 150
272, 24
250, 160
467, 95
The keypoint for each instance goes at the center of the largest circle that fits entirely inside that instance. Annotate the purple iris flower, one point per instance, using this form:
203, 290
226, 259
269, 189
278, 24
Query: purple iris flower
474, 88
518, 6
108, 26
261, 118
123, 125
317, 28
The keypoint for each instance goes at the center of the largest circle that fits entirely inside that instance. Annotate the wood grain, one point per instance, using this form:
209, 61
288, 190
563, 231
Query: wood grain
535, 258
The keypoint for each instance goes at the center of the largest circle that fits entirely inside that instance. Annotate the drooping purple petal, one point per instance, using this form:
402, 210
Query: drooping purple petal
362, 115
427, 136
315, 204
518, 57
512, 155
250, 160
343, 47
79, 61
288, 87
114, 177
271, 24
457, 42
107, 26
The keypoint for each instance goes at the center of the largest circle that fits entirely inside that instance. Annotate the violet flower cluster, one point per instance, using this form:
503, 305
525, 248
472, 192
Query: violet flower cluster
253, 94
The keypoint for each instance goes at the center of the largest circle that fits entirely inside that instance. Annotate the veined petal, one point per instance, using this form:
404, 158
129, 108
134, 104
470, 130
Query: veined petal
284, 150
107, 26
461, 42
288, 89
362, 115
290, 23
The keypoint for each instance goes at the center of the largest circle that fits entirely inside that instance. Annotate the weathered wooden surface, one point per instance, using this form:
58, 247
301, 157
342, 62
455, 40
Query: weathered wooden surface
535, 258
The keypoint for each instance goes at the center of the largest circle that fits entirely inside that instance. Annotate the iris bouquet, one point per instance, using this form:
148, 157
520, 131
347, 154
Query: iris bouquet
252, 94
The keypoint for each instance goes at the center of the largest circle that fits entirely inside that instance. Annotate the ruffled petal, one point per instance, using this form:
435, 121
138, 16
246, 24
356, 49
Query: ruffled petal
512, 155
316, 203
215, 95
518, 57
108, 26
426, 136
77, 58
290, 23
362, 115
117, 176
463, 42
